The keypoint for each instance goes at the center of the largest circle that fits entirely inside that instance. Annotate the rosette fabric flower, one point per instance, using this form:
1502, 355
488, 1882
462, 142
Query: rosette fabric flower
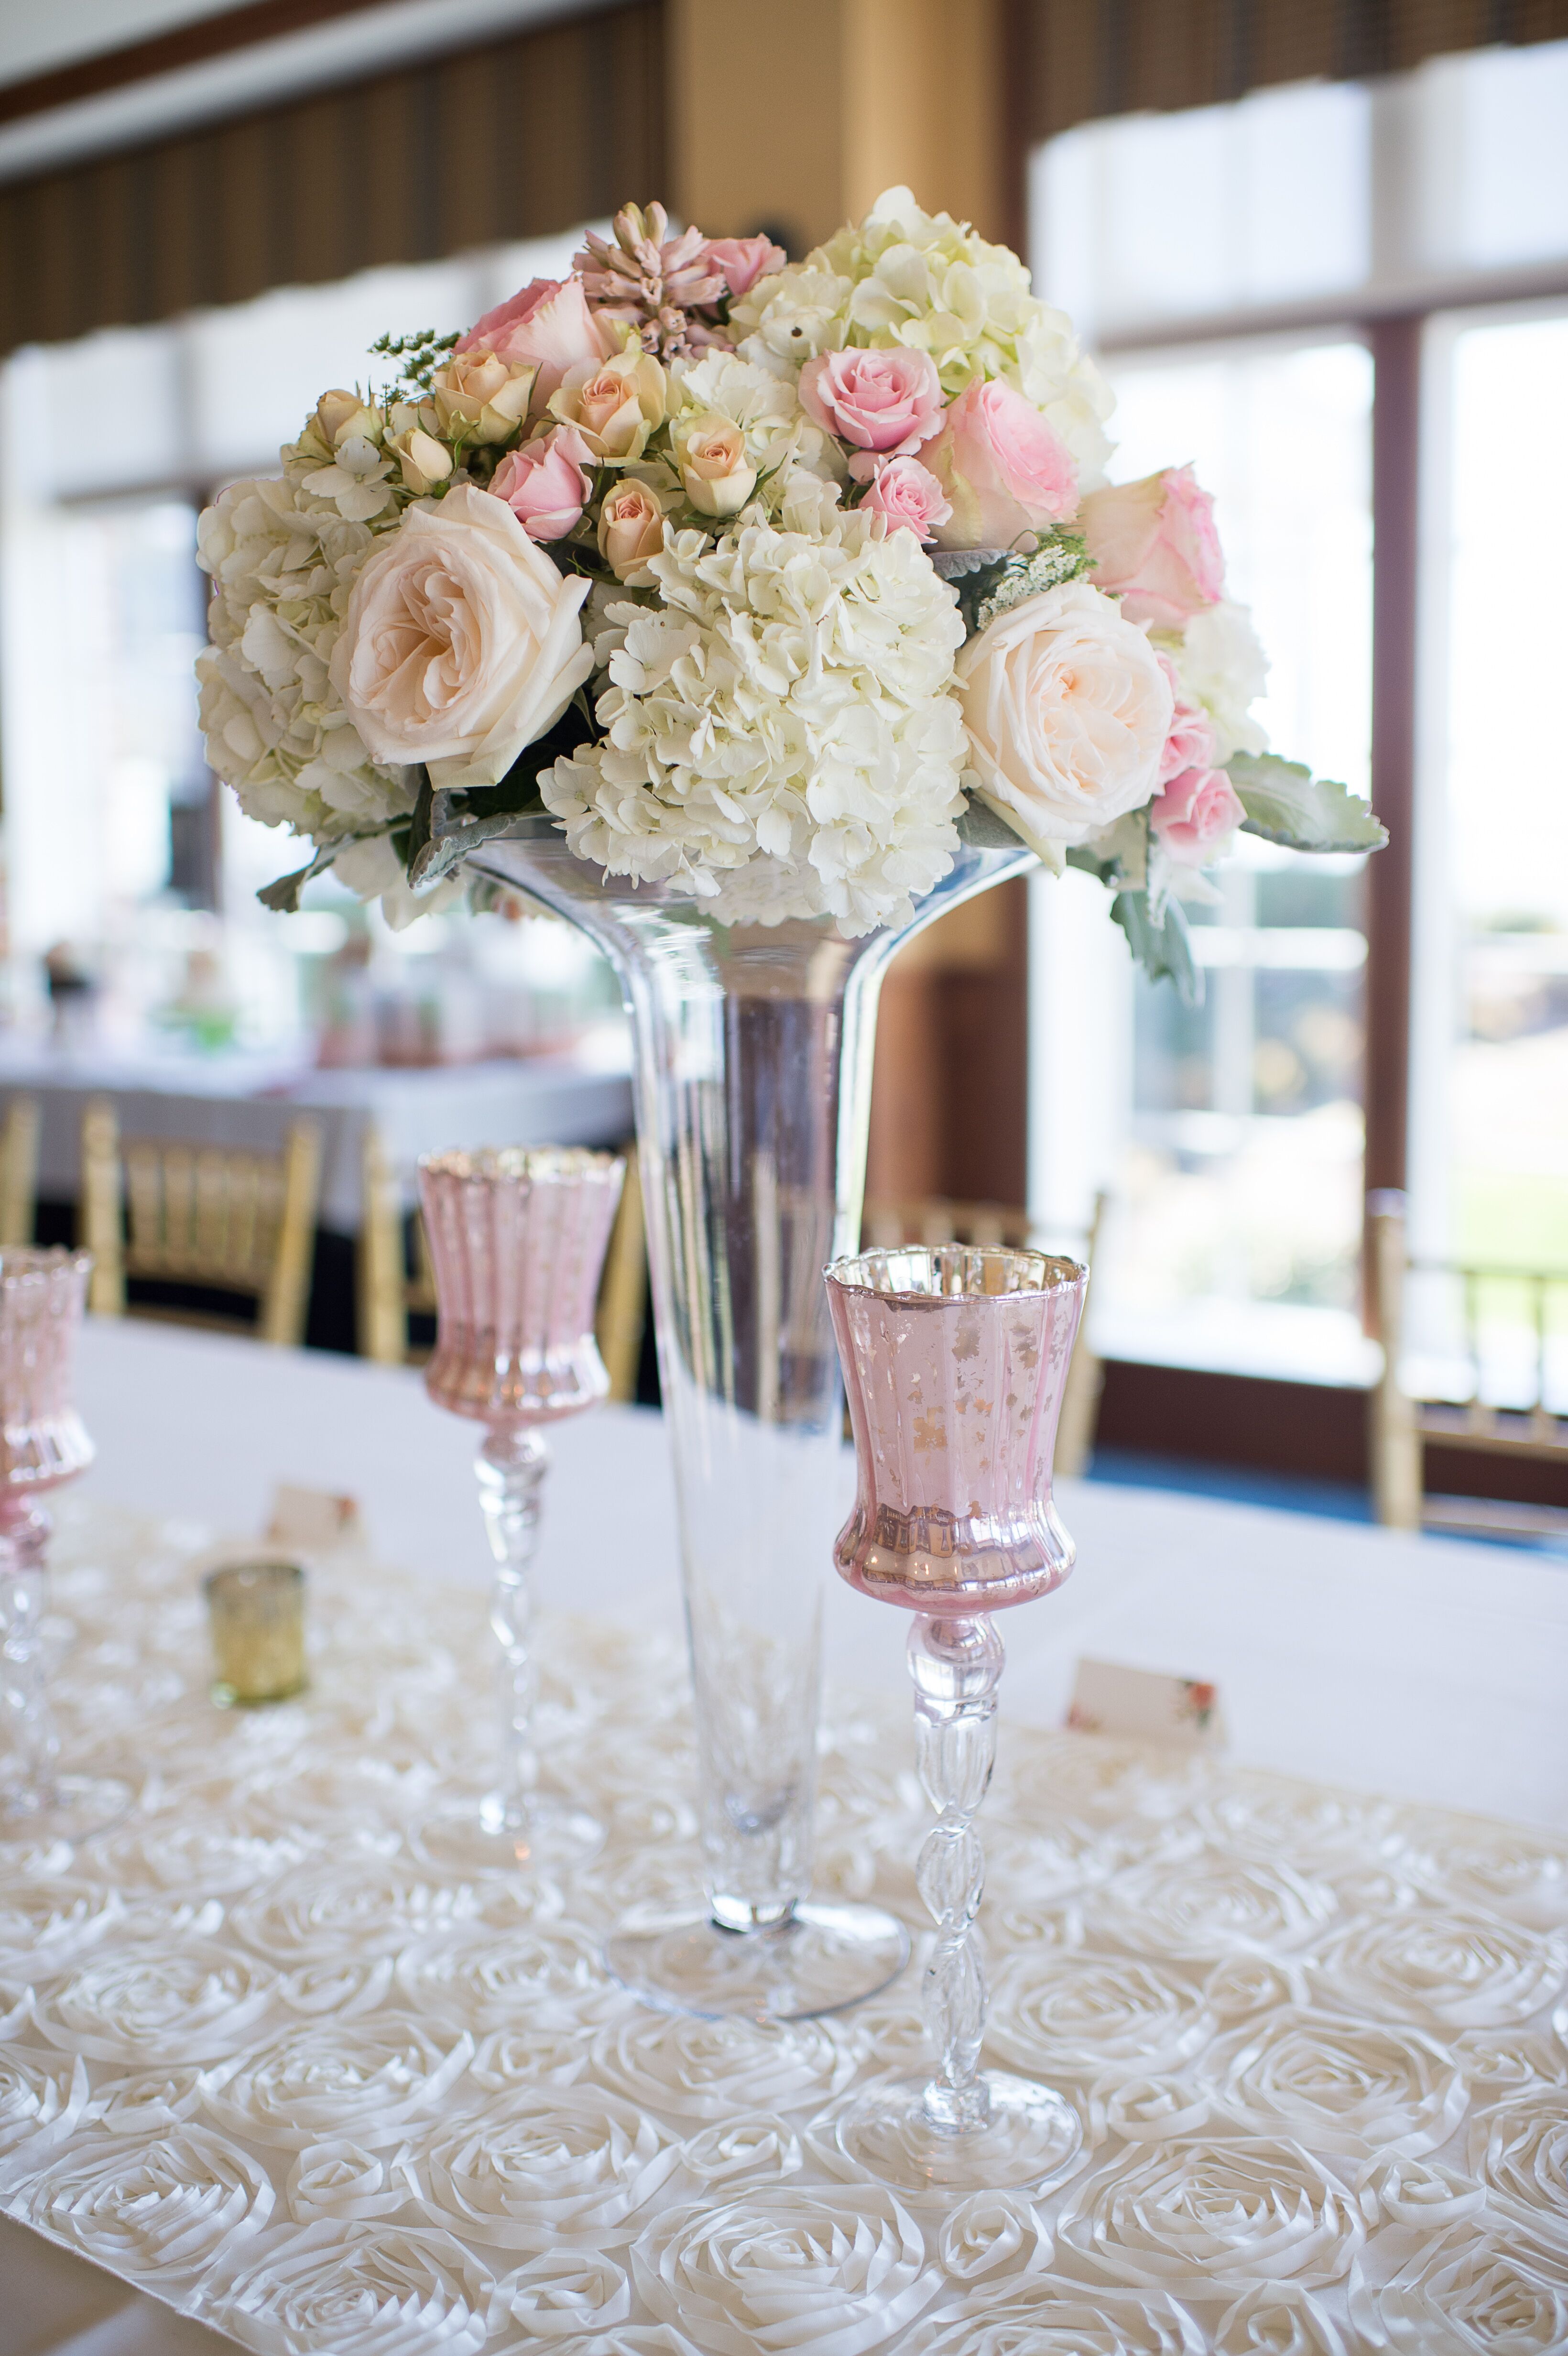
779, 2271
1200, 2218
701, 2068
161, 2210
530, 2171
358, 2291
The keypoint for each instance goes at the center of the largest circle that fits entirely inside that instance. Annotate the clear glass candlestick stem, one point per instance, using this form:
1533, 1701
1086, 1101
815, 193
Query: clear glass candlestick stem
42, 1443
954, 1666
510, 1469
518, 1239
954, 1362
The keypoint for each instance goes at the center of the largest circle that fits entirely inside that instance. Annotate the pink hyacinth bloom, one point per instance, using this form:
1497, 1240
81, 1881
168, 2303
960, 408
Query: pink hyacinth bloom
547, 322
1155, 546
744, 260
909, 497
1196, 815
1006, 472
545, 484
883, 403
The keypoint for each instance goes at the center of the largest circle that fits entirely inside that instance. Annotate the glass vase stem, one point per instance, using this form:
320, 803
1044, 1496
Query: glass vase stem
24, 1590
510, 1469
954, 1666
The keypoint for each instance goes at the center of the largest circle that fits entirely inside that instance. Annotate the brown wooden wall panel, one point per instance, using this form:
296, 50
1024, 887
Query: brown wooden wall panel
1073, 60
517, 138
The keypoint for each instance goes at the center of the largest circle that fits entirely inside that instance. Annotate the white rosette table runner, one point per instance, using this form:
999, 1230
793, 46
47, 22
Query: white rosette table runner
262, 2057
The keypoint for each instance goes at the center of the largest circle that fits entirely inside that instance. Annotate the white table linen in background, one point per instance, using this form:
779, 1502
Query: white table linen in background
247, 1102
1427, 1669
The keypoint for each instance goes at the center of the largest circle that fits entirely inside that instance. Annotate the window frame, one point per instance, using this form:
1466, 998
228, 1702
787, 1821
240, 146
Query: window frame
1404, 330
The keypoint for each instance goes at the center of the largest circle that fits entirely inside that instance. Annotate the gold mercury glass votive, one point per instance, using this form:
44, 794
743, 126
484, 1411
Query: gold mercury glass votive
257, 1611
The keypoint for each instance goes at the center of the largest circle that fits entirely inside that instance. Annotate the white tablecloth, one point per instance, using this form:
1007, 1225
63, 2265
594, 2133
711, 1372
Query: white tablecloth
267, 2053
1429, 1671
1425, 1668
546, 1101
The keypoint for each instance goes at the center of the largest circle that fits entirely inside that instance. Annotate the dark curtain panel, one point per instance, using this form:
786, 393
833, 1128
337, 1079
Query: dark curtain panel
517, 138
1073, 60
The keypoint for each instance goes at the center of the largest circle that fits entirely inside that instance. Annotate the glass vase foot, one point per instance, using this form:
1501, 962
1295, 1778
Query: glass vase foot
549, 1836
68, 1808
1028, 2140
823, 1958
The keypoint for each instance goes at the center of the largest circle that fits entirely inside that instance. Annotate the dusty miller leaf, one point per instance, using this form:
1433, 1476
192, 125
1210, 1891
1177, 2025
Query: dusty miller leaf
985, 829
1285, 803
283, 895
1164, 950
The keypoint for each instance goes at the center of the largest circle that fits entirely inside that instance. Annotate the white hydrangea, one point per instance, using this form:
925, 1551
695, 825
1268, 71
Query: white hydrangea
1222, 663
782, 738
285, 554
779, 435
904, 277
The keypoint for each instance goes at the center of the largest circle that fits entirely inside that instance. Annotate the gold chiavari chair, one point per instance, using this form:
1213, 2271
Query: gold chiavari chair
19, 1170
210, 1217
937, 1221
1404, 1427
389, 1294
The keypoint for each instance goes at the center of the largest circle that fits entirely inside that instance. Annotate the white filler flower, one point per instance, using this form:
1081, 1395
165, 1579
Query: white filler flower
782, 739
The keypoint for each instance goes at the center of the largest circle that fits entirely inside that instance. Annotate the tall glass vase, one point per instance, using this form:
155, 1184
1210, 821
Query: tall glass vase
754, 1050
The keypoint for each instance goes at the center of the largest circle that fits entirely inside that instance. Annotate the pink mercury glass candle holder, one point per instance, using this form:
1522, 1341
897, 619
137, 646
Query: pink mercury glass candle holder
517, 1237
955, 1363
42, 1442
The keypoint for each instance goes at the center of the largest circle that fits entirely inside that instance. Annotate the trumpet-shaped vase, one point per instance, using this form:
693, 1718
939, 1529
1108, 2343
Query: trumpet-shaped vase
753, 1050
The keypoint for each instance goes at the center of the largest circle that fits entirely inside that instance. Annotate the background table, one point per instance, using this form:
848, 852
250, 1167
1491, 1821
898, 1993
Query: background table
239, 1101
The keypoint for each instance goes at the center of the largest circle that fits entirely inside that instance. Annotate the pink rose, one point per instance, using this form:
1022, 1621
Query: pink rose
1190, 743
547, 322
1003, 470
744, 260
544, 483
1196, 815
1155, 545
910, 497
885, 402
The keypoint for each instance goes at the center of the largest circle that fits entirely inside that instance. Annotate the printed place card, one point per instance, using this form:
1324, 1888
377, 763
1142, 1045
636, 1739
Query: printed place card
1145, 1707
313, 1520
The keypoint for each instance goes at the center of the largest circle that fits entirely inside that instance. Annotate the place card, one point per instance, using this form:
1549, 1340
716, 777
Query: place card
1141, 1704
312, 1521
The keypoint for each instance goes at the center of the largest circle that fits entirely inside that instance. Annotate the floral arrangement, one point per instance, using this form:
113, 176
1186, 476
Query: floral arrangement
769, 581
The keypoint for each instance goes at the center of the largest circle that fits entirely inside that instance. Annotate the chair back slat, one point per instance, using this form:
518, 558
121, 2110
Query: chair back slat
19, 1170
204, 1215
1404, 1426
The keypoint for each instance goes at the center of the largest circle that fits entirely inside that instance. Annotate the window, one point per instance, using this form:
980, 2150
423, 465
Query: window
1489, 1175
114, 838
1232, 263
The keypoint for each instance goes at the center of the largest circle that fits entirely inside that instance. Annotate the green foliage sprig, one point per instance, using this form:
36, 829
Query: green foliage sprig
418, 357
